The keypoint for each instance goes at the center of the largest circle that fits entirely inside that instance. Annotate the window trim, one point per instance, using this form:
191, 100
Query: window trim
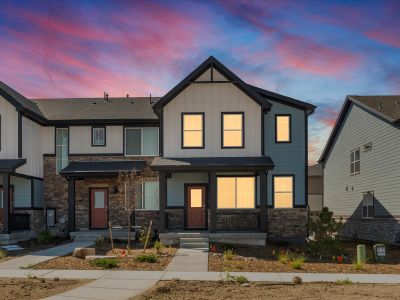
238, 176
105, 136
223, 130
55, 143
276, 128
203, 129
373, 206
143, 197
359, 161
141, 141
293, 191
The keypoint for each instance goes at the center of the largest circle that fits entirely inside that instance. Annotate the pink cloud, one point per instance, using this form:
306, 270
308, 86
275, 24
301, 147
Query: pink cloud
385, 36
328, 117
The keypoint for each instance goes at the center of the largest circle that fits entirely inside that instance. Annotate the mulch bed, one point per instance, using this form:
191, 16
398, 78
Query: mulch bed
35, 288
262, 290
126, 261
261, 259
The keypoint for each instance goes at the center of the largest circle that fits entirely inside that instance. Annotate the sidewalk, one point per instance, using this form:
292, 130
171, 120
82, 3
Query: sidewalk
189, 260
41, 256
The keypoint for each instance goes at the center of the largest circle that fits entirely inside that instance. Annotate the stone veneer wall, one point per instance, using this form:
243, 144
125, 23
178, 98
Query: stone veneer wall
37, 218
288, 224
56, 192
381, 230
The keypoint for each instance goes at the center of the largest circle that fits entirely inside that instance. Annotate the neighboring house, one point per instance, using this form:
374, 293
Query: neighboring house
215, 154
361, 166
315, 189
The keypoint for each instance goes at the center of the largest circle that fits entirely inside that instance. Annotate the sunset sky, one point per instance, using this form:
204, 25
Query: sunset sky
315, 51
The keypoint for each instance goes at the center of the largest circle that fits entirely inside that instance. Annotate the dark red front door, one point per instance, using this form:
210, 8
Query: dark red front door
1, 208
98, 208
196, 207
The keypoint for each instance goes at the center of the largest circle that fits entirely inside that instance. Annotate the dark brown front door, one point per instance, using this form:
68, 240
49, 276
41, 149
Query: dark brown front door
98, 208
196, 207
10, 205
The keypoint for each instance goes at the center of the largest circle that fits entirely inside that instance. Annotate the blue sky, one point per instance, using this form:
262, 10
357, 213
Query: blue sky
316, 51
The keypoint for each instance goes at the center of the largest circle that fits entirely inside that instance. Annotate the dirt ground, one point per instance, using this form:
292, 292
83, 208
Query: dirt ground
126, 261
263, 290
31, 246
262, 259
35, 288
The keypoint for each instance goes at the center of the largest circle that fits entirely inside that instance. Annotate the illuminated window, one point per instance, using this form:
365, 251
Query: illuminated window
232, 130
193, 130
282, 127
283, 191
236, 192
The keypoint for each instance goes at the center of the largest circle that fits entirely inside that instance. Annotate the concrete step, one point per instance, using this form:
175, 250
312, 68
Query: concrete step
192, 234
194, 245
194, 240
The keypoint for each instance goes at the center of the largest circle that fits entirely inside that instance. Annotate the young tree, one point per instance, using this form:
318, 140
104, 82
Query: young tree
131, 185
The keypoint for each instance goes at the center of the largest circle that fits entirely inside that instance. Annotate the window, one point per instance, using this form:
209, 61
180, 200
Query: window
368, 205
141, 141
355, 162
367, 146
61, 148
282, 129
283, 191
98, 136
193, 130
236, 192
232, 130
50, 217
149, 199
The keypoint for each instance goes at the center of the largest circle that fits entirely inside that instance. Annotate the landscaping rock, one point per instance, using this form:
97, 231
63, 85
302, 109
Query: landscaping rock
83, 252
297, 280
92, 257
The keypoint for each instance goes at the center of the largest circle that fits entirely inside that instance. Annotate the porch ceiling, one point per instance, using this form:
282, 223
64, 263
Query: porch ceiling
212, 163
101, 168
9, 165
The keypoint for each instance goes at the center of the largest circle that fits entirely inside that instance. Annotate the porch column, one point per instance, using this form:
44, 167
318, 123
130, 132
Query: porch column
213, 201
163, 199
263, 201
71, 204
6, 203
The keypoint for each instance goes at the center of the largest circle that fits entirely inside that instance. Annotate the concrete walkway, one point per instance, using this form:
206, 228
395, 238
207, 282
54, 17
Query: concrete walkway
41, 256
189, 260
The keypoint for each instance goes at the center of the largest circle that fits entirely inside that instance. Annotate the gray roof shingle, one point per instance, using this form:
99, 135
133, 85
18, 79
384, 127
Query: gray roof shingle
388, 106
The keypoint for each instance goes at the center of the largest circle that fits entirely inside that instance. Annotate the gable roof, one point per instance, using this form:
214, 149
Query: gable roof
79, 109
214, 63
285, 99
386, 108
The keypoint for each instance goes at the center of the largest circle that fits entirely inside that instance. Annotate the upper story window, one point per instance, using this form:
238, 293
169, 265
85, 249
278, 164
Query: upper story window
236, 192
193, 130
141, 141
283, 129
368, 205
232, 130
283, 191
355, 162
98, 136
61, 148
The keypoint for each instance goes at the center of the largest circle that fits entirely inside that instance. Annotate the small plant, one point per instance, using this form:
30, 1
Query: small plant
158, 245
358, 265
45, 237
99, 242
105, 263
346, 281
228, 254
298, 261
28, 266
142, 236
284, 257
149, 258
3, 254
241, 279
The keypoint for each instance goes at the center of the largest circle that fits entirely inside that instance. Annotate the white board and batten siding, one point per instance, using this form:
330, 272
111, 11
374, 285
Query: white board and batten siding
211, 99
379, 167
81, 140
289, 158
9, 130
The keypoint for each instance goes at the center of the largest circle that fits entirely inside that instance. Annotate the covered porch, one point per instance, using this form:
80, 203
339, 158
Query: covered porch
223, 196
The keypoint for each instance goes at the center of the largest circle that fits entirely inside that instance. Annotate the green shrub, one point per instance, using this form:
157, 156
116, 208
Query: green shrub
45, 237
357, 265
228, 254
284, 257
149, 258
346, 281
105, 263
241, 279
3, 254
298, 261
158, 245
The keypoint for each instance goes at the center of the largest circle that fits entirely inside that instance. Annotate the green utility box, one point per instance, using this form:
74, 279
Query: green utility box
361, 254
